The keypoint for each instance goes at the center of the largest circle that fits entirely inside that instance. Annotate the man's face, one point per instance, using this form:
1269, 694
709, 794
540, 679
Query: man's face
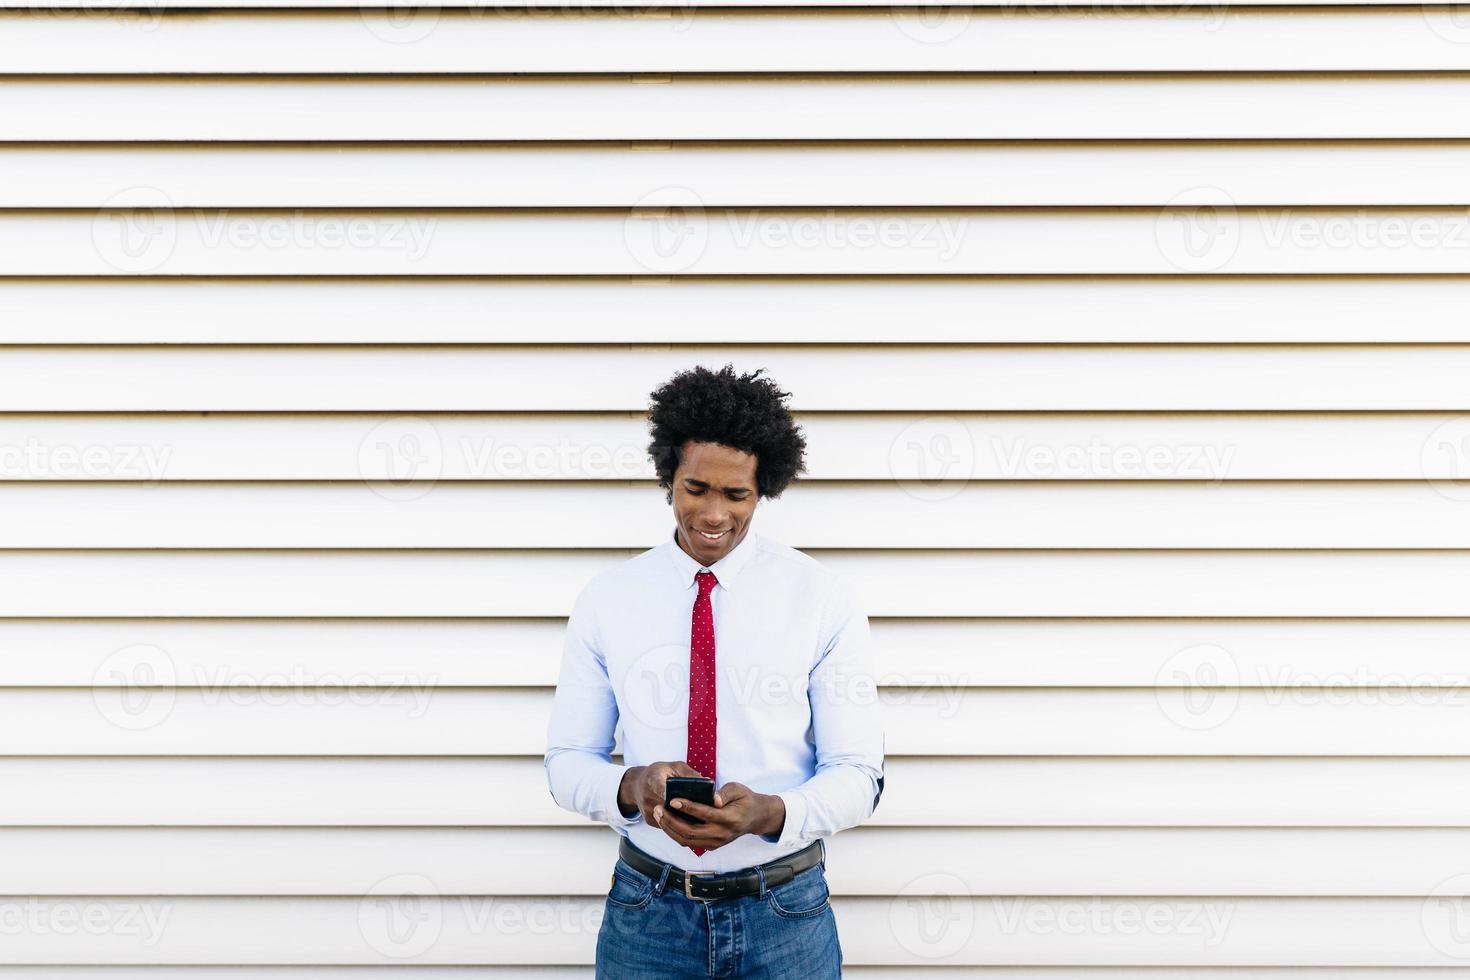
714, 499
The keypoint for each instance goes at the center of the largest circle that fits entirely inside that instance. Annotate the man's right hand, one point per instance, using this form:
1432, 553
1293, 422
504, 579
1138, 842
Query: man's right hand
642, 787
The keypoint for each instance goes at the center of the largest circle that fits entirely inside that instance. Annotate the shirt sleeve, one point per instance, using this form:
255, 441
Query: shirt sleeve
584, 717
847, 725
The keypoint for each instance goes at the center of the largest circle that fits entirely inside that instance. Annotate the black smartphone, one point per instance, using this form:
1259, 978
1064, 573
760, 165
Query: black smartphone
698, 789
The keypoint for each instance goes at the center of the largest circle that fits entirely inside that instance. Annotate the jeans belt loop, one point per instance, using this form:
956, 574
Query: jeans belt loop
761, 874
663, 880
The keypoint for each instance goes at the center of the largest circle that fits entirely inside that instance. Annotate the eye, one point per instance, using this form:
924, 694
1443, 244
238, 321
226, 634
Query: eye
693, 492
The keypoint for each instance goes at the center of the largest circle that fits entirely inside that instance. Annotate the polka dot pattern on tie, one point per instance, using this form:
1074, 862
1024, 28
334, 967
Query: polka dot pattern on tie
701, 742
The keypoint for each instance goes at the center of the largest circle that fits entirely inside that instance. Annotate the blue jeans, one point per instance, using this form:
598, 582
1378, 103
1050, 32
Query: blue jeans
650, 930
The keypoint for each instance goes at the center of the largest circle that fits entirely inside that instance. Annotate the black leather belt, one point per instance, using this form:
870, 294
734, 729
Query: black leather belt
710, 885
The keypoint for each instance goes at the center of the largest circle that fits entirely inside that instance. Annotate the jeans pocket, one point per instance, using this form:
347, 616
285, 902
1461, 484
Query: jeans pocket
801, 897
630, 889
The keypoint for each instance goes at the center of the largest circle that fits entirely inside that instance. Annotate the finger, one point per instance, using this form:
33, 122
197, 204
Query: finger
678, 833
700, 811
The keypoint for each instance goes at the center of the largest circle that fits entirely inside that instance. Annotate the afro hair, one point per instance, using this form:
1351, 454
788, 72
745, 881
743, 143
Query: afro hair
744, 412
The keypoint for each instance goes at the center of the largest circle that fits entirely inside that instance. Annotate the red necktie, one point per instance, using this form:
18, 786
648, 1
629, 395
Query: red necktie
701, 754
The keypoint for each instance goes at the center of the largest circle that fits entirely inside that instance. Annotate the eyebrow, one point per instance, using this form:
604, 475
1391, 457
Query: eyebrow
701, 484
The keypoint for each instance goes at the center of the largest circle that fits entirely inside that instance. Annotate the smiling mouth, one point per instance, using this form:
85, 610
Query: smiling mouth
711, 538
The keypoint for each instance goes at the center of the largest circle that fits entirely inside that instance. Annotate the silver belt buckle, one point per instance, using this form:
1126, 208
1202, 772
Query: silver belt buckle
688, 878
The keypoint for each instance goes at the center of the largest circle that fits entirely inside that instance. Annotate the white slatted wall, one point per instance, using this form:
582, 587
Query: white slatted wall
1131, 343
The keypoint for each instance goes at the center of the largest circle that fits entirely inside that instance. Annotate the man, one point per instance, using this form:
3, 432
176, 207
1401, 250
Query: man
726, 655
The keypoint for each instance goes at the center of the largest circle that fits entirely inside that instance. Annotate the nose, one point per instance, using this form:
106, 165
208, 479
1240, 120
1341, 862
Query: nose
712, 516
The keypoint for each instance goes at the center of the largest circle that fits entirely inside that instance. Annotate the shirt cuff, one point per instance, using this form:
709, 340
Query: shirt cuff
615, 818
795, 820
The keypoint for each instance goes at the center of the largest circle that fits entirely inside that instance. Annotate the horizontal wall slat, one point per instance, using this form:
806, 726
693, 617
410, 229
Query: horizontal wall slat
574, 861
929, 174
941, 792
947, 720
587, 972
1336, 654
1121, 515
955, 39
1182, 309
1003, 930
906, 583
530, 108
858, 379
848, 446
718, 241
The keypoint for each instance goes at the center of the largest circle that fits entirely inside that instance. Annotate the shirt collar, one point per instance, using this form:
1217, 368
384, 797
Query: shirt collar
726, 570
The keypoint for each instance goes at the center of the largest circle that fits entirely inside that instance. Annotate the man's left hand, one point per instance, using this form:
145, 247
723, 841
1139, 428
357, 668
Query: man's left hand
738, 811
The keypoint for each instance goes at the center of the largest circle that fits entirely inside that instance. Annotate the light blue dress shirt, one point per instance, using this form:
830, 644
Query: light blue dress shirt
796, 696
